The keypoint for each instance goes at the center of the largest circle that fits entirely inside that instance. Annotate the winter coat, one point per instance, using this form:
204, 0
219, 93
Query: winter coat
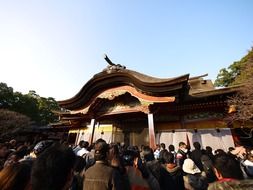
195, 182
231, 185
177, 175
101, 176
196, 157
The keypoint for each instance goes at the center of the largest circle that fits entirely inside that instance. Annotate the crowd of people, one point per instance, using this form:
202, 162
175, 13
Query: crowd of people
51, 165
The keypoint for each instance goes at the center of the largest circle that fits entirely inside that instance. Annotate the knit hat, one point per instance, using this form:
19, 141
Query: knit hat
190, 167
41, 146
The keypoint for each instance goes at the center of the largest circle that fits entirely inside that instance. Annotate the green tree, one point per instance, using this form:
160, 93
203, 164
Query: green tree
46, 106
235, 73
241, 73
246, 70
243, 101
6, 96
26, 105
38, 109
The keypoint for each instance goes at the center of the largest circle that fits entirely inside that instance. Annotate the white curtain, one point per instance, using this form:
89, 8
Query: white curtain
173, 138
194, 136
206, 137
166, 138
107, 136
179, 136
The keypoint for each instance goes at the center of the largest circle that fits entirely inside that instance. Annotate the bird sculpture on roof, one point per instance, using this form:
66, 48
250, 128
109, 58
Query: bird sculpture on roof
112, 66
108, 60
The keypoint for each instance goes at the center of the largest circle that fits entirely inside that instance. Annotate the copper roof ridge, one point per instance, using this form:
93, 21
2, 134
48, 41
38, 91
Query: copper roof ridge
197, 77
230, 88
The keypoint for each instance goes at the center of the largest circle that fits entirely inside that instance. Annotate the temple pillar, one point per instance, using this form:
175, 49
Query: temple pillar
126, 138
151, 131
92, 125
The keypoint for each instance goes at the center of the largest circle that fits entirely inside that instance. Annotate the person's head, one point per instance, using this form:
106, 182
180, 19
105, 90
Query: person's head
86, 144
53, 169
248, 168
190, 167
231, 149
148, 154
162, 146
219, 152
197, 183
168, 157
226, 166
209, 150
91, 147
239, 152
182, 146
101, 150
197, 145
13, 143
22, 151
81, 143
129, 157
12, 158
206, 161
171, 148
42, 146
250, 155
142, 147
3, 150
158, 147
113, 151
15, 176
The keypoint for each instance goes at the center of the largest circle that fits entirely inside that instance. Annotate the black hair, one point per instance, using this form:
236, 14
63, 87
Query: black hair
86, 144
227, 166
129, 156
220, 151
197, 145
231, 149
101, 150
52, 168
81, 143
181, 144
42, 146
148, 154
168, 157
16, 176
22, 151
162, 145
171, 148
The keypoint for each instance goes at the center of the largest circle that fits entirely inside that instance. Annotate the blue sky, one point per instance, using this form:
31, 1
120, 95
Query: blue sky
55, 46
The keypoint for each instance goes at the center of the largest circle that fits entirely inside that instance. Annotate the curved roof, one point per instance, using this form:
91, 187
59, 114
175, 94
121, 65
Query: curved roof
114, 78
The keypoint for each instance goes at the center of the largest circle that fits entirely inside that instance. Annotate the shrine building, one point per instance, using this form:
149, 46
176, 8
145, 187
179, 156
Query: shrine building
122, 105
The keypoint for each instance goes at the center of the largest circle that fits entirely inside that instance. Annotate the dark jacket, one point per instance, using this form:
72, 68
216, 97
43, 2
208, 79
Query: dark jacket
195, 182
101, 176
180, 157
196, 157
208, 168
160, 173
161, 159
177, 175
